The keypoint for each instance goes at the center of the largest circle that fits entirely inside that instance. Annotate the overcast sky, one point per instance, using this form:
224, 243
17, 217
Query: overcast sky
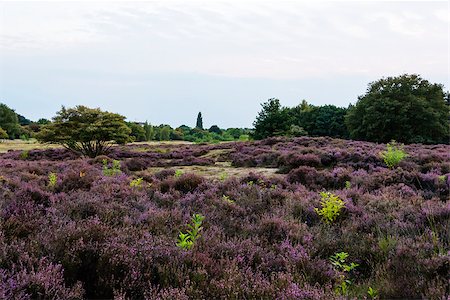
164, 61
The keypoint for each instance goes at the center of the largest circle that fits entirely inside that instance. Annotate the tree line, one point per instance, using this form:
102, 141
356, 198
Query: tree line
406, 108
16, 126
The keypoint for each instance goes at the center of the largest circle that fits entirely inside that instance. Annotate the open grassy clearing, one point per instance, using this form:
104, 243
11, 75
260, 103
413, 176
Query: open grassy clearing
221, 171
21, 145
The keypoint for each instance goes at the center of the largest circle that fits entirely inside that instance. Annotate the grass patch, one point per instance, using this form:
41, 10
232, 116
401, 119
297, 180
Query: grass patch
21, 145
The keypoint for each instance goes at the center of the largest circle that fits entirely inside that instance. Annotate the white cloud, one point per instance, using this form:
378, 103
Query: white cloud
243, 39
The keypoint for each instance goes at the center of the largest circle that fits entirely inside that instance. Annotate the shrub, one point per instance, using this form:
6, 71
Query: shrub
331, 206
393, 154
187, 183
112, 170
136, 182
136, 164
52, 180
271, 243
338, 260
3, 134
24, 154
188, 239
163, 174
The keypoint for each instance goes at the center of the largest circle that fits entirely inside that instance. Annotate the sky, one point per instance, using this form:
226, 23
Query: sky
164, 61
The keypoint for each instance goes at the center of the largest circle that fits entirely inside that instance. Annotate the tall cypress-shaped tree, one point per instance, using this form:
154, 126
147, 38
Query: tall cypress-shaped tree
199, 123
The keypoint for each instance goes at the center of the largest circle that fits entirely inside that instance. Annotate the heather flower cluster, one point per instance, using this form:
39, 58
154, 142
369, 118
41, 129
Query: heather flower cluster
71, 231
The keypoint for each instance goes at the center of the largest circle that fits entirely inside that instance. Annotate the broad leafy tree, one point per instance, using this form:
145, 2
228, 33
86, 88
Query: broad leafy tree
215, 129
406, 108
164, 132
137, 132
272, 120
327, 120
9, 121
86, 131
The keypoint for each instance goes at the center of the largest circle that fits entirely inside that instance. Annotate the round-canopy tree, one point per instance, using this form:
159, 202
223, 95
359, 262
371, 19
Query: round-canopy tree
9, 121
86, 131
406, 108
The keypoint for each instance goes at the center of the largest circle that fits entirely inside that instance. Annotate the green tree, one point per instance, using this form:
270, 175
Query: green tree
215, 129
406, 108
301, 116
176, 135
235, 133
164, 133
185, 129
137, 131
326, 120
272, 120
43, 121
3, 134
23, 120
85, 131
199, 123
9, 121
149, 131
296, 130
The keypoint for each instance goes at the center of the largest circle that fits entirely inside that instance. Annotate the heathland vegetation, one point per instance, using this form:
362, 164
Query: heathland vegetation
303, 212
339, 219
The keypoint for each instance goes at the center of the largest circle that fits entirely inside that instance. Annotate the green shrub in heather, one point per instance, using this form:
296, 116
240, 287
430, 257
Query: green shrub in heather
393, 155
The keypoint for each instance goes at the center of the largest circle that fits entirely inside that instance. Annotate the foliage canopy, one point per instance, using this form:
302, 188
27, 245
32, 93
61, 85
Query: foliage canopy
3, 134
406, 108
9, 121
303, 119
86, 131
272, 120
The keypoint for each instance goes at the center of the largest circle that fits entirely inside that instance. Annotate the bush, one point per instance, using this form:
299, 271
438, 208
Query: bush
136, 164
331, 206
187, 182
393, 155
3, 134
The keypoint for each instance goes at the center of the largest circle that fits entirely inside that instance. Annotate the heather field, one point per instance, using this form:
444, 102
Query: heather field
302, 218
